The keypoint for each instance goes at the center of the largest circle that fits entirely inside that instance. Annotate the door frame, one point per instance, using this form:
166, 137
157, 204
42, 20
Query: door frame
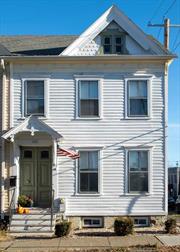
15, 160
36, 161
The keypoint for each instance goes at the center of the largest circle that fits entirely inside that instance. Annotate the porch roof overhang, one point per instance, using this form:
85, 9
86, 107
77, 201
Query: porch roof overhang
32, 124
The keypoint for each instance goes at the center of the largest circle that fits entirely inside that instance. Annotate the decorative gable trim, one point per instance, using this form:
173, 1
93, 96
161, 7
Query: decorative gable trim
112, 14
32, 125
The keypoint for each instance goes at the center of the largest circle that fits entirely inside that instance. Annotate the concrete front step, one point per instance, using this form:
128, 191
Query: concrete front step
32, 235
32, 222
31, 217
37, 221
26, 228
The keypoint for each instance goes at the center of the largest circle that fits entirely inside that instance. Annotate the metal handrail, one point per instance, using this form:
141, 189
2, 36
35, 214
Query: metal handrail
52, 208
11, 206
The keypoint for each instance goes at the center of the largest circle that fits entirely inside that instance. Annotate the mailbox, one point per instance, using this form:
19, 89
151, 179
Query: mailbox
12, 181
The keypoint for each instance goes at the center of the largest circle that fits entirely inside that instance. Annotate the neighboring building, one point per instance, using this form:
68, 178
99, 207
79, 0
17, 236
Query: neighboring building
103, 96
174, 181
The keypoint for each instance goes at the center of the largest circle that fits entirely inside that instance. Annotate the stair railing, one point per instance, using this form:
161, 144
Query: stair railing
12, 206
52, 208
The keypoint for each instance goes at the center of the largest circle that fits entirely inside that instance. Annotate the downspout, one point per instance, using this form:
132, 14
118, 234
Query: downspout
2, 140
166, 134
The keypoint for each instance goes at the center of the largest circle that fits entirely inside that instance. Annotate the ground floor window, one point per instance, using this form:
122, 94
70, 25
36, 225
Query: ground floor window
138, 171
88, 169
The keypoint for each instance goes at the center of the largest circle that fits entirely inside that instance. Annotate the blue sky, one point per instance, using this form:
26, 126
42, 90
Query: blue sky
74, 16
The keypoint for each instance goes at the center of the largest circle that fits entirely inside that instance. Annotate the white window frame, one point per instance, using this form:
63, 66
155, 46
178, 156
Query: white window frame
141, 218
100, 99
46, 96
149, 150
99, 173
93, 225
149, 106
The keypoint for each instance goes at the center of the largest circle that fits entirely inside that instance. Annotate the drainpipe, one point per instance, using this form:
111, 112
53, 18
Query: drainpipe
2, 140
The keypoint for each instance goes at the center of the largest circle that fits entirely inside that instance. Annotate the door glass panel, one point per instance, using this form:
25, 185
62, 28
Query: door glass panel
44, 154
27, 154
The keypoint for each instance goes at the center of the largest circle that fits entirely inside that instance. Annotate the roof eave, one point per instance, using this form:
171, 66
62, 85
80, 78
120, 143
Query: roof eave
91, 58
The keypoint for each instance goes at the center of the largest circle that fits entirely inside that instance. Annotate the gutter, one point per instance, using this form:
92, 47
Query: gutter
99, 58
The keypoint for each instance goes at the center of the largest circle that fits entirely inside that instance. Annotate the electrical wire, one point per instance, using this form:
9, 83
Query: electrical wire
175, 40
169, 8
178, 44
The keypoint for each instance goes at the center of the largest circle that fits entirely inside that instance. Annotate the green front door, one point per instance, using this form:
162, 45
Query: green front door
35, 175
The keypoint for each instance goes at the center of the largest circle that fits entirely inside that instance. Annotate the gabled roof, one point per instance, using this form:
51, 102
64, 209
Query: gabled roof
113, 14
32, 124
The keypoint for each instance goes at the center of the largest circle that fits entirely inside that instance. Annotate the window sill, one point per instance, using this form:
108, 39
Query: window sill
137, 118
87, 194
88, 118
39, 117
137, 194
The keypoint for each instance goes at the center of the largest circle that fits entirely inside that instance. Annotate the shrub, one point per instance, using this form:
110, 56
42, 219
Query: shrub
170, 226
25, 201
123, 226
63, 228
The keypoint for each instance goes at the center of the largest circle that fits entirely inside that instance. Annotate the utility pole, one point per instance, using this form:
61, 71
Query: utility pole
166, 27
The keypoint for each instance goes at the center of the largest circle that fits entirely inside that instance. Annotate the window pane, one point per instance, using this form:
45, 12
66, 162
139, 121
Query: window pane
93, 90
107, 40
27, 154
137, 88
84, 90
138, 107
89, 90
133, 160
35, 106
93, 160
138, 182
83, 160
89, 108
93, 182
44, 154
35, 89
107, 49
84, 182
143, 159
118, 40
118, 49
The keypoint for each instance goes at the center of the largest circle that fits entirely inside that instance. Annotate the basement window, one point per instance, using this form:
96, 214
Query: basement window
92, 222
141, 221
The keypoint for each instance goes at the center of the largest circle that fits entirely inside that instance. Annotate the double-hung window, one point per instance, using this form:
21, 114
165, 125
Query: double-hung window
113, 44
34, 98
88, 98
138, 171
137, 98
88, 169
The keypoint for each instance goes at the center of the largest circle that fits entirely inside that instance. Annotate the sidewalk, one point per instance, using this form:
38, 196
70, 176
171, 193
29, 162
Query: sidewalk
58, 244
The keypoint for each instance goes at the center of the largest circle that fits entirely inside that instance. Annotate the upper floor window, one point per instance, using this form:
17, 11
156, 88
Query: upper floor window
137, 98
138, 163
34, 97
112, 44
88, 172
88, 98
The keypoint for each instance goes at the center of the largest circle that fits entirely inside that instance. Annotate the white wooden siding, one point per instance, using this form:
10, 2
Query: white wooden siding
113, 133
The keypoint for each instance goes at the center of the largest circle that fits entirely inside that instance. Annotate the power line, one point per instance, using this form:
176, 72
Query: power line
156, 11
178, 44
169, 8
175, 40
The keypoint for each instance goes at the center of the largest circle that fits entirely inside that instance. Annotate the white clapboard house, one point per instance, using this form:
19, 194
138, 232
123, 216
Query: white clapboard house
83, 125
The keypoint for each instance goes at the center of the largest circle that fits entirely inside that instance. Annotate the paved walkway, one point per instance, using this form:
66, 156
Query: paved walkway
76, 243
55, 244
